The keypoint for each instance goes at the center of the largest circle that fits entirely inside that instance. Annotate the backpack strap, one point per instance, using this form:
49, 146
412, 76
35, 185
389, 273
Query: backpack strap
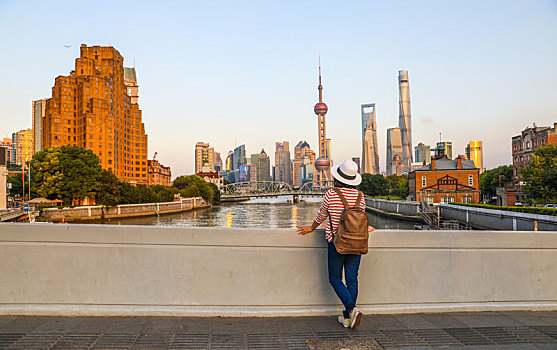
359, 199
344, 201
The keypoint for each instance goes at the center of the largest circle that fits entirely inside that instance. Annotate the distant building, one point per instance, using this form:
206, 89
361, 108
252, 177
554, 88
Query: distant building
217, 162
212, 177
523, 147
158, 174
7, 145
306, 170
39, 112
283, 163
239, 158
204, 156
229, 163
303, 155
22, 146
475, 153
263, 165
91, 108
357, 161
130, 80
397, 166
370, 152
394, 148
444, 148
445, 180
404, 117
423, 153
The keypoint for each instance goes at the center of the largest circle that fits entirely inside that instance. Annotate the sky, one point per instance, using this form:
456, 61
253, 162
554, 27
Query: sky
246, 72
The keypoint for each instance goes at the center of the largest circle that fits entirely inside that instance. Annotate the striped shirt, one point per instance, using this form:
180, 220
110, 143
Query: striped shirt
332, 204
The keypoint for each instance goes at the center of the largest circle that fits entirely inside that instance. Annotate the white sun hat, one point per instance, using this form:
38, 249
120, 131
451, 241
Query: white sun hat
347, 173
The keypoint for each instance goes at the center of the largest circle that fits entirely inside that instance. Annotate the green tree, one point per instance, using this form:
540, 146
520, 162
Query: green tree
397, 185
109, 189
65, 173
489, 180
216, 191
373, 185
194, 186
540, 175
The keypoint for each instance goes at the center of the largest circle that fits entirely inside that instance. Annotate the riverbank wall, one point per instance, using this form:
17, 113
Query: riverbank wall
492, 219
96, 212
50, 269
402, 210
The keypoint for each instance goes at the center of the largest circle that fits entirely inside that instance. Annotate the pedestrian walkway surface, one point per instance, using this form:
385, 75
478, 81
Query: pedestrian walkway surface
468, 330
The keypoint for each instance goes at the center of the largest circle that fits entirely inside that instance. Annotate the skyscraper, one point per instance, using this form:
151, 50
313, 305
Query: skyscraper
39, 111
239, 157
444, 148
404, 118
423, 153
370, 153
323, 163
217, 162
474, 151
283, 164
303, 155
91, 108
22, 146
263, 165
204, 158
394, 148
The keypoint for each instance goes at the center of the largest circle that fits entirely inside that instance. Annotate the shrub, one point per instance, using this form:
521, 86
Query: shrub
530, 210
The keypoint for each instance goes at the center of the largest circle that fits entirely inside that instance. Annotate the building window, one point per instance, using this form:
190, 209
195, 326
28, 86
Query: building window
543, 142
466, 199
423, 181
429, 200
447, 200
470, 180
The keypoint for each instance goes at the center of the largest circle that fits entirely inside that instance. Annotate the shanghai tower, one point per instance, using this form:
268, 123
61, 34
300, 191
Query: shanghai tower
404, 118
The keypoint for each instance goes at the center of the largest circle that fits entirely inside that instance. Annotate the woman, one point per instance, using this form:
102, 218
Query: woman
346, 178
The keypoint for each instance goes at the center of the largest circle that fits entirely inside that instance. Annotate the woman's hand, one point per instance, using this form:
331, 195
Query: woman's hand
304, 230
370, 229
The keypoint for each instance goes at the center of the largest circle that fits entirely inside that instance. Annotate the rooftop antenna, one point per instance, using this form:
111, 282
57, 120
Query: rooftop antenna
440, 138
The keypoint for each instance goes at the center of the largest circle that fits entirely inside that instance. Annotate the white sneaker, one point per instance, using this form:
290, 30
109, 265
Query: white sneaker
344, 321
355, 317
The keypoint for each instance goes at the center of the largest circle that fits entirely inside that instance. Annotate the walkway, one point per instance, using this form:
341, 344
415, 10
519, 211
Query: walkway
478, 330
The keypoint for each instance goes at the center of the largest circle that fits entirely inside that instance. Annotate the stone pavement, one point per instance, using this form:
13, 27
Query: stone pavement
467, 330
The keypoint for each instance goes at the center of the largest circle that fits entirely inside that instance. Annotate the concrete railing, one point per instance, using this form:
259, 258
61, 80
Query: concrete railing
492, 219
406, 208
58, 269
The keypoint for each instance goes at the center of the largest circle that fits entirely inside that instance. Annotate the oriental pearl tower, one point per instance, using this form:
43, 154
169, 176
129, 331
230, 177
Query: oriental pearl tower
323, 163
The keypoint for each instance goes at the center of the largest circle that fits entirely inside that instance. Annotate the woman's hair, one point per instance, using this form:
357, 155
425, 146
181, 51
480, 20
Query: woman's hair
341, 184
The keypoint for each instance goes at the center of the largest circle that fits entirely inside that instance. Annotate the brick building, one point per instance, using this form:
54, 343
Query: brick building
523, 148
91, 108
158, 174
445, 180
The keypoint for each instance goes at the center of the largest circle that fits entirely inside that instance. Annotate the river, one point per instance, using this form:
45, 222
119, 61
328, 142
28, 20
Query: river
264, 213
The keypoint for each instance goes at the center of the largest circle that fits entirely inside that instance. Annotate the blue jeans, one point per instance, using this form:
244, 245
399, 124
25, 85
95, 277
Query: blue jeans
351, 264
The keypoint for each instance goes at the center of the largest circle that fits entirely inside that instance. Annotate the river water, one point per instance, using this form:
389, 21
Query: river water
263, 212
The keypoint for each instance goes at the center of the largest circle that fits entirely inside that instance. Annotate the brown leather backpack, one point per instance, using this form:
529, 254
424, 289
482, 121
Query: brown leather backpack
352, 236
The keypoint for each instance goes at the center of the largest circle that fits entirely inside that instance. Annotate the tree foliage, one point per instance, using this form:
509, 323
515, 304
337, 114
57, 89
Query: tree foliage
489, 180
540, 175
70, 172
379, 185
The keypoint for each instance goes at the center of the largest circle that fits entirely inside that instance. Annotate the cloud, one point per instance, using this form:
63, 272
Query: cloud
427, 120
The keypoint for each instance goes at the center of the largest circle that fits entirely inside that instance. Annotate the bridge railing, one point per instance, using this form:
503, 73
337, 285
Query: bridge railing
273, 188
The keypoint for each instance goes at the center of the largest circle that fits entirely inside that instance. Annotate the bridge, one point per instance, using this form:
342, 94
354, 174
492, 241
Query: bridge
259, 189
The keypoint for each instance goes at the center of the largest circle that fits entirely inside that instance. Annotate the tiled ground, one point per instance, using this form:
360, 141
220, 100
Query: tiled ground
471, 330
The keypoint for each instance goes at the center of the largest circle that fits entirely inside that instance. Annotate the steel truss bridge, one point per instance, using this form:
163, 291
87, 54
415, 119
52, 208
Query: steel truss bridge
243, 190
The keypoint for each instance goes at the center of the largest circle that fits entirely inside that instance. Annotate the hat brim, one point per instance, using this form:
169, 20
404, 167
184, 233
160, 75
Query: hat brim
337, 176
